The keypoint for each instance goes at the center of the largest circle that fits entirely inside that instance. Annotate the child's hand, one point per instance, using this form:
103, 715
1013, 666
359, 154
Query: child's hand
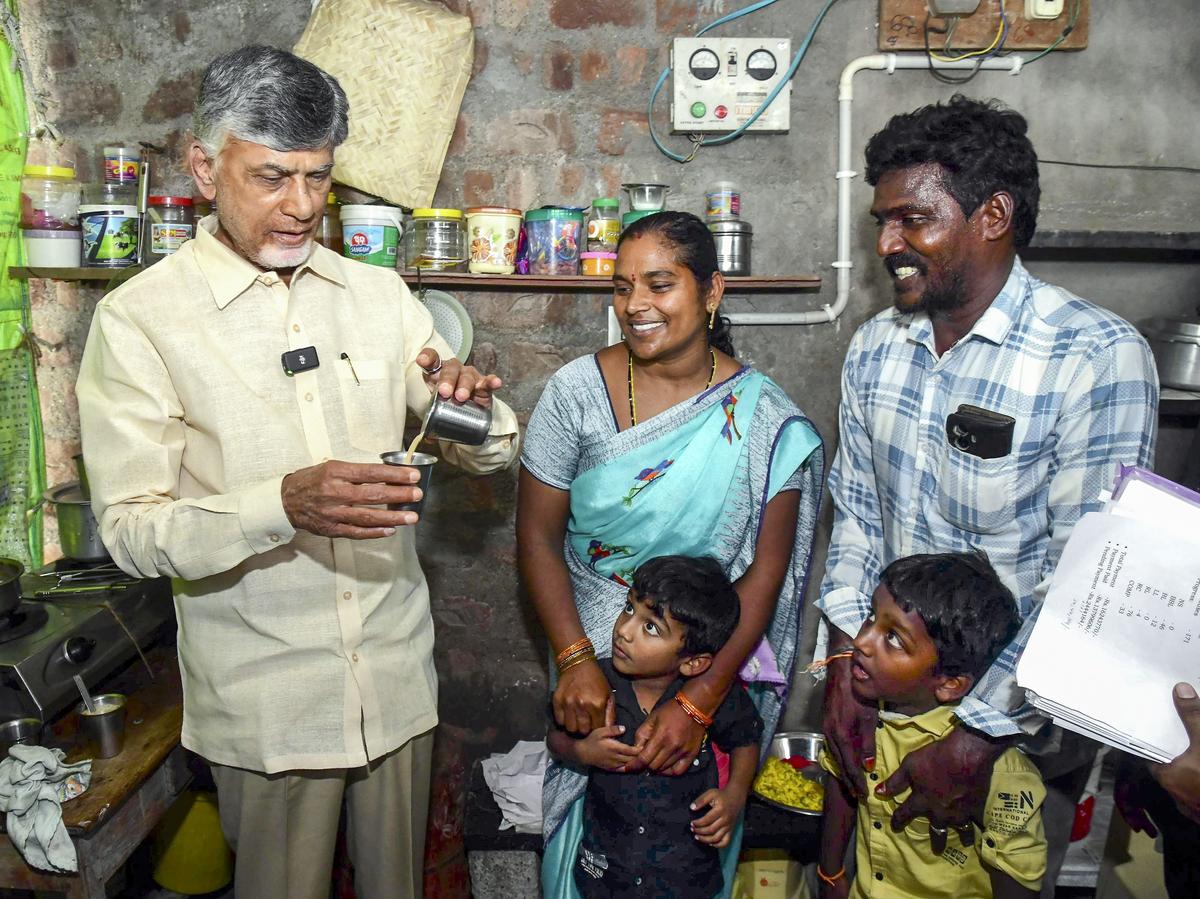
715, 826
603, 749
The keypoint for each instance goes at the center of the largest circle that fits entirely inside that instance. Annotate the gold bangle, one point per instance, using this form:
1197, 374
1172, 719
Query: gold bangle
581, 643
831, 879
693, 712
578, 659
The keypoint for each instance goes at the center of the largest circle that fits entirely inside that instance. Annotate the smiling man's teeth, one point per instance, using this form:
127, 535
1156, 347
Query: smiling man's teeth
905, 271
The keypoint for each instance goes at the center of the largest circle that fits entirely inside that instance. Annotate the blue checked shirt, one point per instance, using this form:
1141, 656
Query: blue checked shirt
1082, 386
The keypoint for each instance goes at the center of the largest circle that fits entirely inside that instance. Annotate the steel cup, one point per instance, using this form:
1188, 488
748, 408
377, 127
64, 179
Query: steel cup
422, 462
26, 731
457, 422
104, 729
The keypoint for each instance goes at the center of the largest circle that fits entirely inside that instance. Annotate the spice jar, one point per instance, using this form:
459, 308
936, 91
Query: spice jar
169, 222
604, 225
436, 240
330, 233
122, 164
552, 235
49, 198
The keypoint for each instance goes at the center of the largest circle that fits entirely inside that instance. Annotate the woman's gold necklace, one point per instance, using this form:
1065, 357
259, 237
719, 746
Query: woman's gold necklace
633, 399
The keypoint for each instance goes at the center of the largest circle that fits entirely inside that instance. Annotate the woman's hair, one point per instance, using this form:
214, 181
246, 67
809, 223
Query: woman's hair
694, 249
269, 97
981, 147
968, 612
697, 593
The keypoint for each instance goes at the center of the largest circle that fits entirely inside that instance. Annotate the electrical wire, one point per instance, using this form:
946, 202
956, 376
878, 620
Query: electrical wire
1065, 32
944, 77
997, 41
699, 141
1139, 167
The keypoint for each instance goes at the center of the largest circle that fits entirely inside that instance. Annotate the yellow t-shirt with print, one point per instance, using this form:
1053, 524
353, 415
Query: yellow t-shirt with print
903, 866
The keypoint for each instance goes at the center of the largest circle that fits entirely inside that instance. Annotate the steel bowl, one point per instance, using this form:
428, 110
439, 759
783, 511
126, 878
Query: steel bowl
790, 744
26, 731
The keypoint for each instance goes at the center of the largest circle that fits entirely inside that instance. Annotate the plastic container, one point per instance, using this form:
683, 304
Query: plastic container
733, 246
723, 201
122, 165
492, 236
598, 264
372, 233
630, 217
436, 240
52, 249
169, 224
50, 198
552, 235
329, 235
189, 850
647, 195
109, 194
110, 235
604, 225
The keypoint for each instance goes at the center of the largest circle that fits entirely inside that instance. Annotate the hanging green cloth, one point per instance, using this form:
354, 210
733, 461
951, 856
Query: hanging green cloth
22, 454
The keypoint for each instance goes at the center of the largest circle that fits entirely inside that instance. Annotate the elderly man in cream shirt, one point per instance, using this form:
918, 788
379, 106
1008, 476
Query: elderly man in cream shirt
305, 636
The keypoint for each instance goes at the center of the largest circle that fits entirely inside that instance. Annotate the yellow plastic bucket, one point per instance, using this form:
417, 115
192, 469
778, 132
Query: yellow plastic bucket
190, 852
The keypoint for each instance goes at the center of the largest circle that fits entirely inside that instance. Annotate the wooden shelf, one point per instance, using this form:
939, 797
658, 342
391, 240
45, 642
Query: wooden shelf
467, 282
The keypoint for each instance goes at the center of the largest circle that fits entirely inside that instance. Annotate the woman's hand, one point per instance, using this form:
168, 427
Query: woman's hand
581, 697
669, 740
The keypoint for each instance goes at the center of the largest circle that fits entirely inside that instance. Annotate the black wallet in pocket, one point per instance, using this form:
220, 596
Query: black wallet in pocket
980, 432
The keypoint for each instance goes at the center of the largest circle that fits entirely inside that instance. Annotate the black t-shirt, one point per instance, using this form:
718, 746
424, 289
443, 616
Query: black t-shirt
637, 838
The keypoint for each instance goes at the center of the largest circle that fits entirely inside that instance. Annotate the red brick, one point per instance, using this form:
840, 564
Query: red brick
593, 65
616, 126
631, 63
173, 97
181, 25
532, 132
61, 52
90, 103
558, 67
478, 186
611, 179
458, 140
510, 13
676, 16
481, 56
522, 61
570, 180
534, 361
586, 13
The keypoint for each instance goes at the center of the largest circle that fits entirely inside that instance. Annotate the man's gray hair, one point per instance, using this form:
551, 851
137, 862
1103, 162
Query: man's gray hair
269, 97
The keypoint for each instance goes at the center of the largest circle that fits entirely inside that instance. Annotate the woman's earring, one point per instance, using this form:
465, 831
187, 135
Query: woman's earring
712, 317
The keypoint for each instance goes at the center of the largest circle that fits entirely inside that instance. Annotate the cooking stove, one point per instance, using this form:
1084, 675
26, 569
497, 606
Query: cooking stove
75, 618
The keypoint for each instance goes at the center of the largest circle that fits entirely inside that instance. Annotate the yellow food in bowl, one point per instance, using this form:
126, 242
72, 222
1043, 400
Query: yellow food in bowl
780, 782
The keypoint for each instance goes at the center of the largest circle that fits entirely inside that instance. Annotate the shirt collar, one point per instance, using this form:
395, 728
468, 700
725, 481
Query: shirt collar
229, 275
937, 722
995, 323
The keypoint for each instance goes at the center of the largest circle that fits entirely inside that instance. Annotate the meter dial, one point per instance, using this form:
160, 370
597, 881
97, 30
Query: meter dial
761, 65
705, 64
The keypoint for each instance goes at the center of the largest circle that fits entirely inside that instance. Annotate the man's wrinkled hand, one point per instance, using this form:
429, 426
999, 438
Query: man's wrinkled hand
1181, 778
335, 499
451, 379
849, 727
949, 780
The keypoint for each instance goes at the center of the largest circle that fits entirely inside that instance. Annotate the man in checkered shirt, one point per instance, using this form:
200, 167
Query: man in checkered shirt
987, 410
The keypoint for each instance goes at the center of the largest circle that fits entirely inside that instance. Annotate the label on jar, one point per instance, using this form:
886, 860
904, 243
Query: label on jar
120, 170
166, 239
109, 238
723, 204
605, 231
375, 244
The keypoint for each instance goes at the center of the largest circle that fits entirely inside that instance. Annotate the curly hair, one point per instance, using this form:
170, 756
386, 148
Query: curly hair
696, 250
969, 613
982, 149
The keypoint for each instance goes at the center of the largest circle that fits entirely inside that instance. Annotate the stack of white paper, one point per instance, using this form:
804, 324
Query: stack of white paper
1121, 622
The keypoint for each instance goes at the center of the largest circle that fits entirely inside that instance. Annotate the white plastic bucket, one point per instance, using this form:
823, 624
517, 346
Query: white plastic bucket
372, 233
52, 249
110, 235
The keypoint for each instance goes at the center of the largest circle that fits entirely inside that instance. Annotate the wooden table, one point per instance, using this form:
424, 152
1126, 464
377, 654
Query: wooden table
129, 793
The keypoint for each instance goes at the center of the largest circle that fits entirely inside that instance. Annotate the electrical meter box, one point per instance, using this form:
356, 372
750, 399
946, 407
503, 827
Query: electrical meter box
720, 81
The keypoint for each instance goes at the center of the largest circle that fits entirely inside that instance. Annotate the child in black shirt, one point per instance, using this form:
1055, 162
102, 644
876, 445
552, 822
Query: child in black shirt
646, 834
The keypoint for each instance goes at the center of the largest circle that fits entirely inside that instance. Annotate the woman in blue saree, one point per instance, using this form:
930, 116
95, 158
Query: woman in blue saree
663, 444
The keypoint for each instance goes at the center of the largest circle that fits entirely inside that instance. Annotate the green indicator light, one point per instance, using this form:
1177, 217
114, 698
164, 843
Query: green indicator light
698, 110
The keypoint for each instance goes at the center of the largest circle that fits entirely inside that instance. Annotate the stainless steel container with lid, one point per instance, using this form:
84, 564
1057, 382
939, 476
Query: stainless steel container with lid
1175, 343
733, 246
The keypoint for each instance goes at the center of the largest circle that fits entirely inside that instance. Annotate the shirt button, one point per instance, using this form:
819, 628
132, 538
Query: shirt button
695, 761
877, 825
874, 776
641, 829
308, 397
274, 538
347, 595
991, 843
638, 882
354, 657
879, 875
296, 328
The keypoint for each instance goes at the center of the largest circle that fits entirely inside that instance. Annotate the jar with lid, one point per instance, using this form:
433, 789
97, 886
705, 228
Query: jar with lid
169, 223
733, 246
552, 238
110, 193
330, 233
122, 165
49, 198
436, 241
604, 225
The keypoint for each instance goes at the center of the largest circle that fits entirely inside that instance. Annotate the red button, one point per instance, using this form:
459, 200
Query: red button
721, 112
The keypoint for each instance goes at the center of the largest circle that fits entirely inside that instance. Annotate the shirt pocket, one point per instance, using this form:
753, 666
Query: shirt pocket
371, 398
977, 495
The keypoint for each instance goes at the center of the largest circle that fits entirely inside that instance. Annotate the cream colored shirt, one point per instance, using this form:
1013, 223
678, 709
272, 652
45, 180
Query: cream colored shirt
295, 650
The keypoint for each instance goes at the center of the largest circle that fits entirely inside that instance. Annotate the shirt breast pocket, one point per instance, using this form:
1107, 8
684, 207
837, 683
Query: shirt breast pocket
371, 398
977, 495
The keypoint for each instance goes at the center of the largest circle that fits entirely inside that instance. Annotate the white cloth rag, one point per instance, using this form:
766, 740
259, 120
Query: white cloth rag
34, 783
515, 779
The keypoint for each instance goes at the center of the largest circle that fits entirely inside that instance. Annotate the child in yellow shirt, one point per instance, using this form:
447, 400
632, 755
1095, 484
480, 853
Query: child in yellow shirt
937, 623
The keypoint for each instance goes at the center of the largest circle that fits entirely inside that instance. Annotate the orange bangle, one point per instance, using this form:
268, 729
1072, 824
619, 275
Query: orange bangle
581, 643
831, 879
694, 713
579, 658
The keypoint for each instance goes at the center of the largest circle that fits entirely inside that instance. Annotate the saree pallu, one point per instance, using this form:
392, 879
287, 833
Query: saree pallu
694, 480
